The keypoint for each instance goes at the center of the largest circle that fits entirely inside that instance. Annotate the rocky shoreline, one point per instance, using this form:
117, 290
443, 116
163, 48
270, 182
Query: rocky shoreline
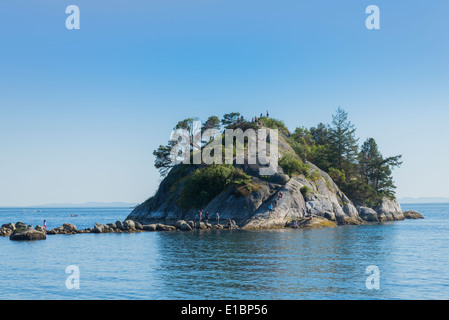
20, 231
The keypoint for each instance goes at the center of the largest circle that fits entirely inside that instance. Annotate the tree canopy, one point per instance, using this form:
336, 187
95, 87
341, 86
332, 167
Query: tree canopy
365, 176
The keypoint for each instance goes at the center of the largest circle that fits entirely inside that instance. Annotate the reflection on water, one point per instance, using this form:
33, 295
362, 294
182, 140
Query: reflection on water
220, 264
275, 264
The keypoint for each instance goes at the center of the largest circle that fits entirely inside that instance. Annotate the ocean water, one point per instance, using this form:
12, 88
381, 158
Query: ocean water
412, 257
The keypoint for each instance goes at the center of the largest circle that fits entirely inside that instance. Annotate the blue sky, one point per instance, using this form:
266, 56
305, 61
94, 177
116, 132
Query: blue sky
82, 110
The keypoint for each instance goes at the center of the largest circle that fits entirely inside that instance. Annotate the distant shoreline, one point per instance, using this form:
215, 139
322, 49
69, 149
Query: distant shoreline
420, 203
88, 205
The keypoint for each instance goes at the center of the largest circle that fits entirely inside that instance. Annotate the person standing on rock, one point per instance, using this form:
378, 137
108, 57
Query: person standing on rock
200, 215
45, 224
207, 216
270, 207
218, 218
229, 223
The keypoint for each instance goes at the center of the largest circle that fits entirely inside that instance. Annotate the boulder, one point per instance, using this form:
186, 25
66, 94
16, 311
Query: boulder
163, 227
316, 222
40, 229
27, 235
112, 226
98, 228
58, 230
389, 210
412, 214
119, 224
138, 226
149, 227
66, 228
179, 223
20, 225
5, 232
9, 226
185, 227
69, 228
129, 225
201, 226
368, 214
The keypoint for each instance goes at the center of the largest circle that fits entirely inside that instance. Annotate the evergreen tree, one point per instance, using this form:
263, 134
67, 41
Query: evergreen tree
375, 170
320, 134
343, 144
230, 119
211, 123
163, 162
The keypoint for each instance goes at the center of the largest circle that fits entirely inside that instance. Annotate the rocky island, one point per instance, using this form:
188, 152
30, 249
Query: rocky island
322, 175
323, 180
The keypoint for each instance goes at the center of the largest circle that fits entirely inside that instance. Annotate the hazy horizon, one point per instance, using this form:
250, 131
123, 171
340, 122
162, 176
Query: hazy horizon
119, 204
89, 204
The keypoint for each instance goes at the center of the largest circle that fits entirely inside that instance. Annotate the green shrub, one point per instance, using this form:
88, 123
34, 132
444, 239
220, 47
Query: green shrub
338, 176
328, 183
208, 182
314, 176
361, 193
292, 165
275, 124
304, 191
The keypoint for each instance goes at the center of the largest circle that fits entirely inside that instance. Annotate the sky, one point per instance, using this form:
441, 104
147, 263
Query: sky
81, 111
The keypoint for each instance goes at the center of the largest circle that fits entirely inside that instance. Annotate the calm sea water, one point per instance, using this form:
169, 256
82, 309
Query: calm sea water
412, 256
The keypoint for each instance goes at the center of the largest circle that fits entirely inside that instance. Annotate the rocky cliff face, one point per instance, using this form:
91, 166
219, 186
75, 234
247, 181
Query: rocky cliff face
314, 196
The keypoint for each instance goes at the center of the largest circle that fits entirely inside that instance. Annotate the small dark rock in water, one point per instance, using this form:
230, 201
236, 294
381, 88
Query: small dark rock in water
28, 235
66, 228
412, 214
70, 227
